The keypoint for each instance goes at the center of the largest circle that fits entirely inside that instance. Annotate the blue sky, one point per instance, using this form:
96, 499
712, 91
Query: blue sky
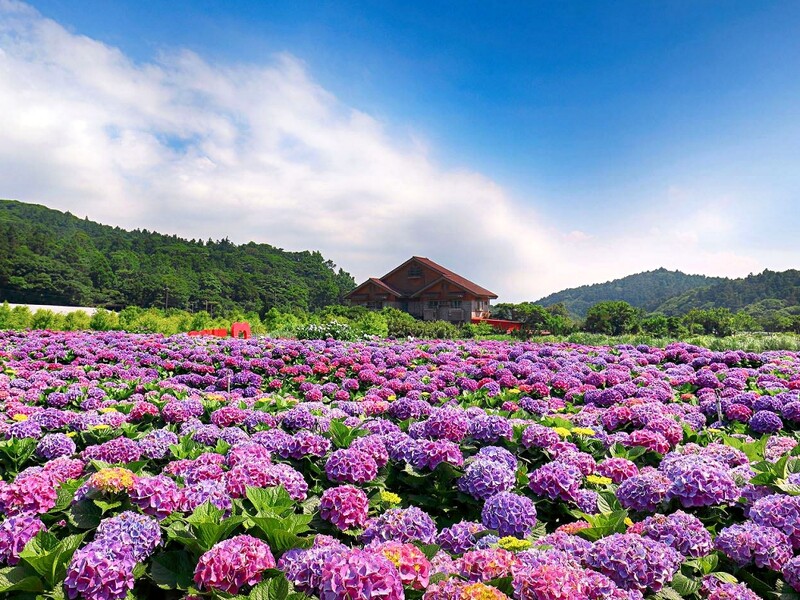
611, 128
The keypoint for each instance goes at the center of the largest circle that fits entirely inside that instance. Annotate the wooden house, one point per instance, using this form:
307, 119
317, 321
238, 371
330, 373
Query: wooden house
427, 291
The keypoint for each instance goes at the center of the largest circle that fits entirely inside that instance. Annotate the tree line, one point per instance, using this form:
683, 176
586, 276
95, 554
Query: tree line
50, 257
617, 317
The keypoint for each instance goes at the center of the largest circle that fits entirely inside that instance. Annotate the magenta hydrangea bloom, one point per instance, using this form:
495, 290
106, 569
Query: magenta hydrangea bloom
412, 565
550, 582
360, 574
233, 563
344, 506
34, 493
99, 571
15, 532
157, 496
118, 450
350, 466
617, 469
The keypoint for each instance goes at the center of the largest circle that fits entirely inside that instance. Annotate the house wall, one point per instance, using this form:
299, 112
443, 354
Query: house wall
434, 303
372, 296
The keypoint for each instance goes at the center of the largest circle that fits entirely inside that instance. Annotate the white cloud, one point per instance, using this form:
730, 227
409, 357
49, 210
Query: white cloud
264, 153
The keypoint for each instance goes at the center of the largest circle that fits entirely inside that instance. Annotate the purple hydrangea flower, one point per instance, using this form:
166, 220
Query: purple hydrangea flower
765, 421
779, 511
484, 478
401, 525
683, 532
99, 571
139, 534
54, 445
556, 481
460, 537
509, 514
634, 562
748, 543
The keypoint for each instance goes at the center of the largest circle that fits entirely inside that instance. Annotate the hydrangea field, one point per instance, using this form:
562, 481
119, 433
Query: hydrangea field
143, 466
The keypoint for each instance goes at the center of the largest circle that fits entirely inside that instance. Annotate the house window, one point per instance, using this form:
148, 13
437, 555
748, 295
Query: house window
435, 303
455, 303
375, 305
414, 271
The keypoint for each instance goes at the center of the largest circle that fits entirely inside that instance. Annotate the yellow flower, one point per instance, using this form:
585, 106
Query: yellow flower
72, 434
392, 397
513, 544
583, 431
712, 430
598, 480
480, 591
100, 426
514, 391
107, 409
113, 479
628, 522
390, 498
562, 431
20, 417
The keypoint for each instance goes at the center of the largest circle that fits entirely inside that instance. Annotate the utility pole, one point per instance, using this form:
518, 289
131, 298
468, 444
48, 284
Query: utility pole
166, 297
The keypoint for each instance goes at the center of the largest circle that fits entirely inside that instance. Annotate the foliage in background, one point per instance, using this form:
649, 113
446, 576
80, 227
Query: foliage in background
646, 290
50, 257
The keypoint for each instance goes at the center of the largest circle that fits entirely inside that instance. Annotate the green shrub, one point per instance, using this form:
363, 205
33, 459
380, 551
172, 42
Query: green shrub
322, 331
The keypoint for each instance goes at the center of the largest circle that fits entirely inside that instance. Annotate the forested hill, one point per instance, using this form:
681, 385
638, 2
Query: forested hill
646, 290
51, 257
769, 290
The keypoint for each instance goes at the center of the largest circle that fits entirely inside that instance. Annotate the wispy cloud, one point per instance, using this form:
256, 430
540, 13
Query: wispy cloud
263, 152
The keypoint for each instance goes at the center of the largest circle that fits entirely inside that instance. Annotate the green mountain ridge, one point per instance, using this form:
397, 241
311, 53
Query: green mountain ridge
768, 290
648, 290
52, 257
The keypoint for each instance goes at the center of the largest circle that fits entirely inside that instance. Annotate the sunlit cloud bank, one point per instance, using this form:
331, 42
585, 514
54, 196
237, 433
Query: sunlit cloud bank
262, 152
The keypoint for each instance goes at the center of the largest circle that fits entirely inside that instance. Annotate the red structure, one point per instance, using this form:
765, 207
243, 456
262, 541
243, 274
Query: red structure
426, 290
237, 330
240, 330
500, 324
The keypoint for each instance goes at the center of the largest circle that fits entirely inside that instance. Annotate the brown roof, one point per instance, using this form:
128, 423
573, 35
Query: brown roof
465, 283
462, 282
389, 289
379, 283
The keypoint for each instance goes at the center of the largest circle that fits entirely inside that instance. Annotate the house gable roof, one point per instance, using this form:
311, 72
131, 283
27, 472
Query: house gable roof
378, 283
460, 281
446, 274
